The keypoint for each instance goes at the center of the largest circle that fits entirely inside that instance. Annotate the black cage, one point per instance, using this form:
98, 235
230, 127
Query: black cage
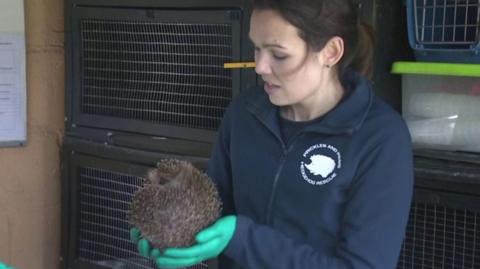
444, 224
147, 68
98, 185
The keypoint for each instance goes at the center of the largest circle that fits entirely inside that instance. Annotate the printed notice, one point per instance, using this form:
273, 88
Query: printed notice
12, 74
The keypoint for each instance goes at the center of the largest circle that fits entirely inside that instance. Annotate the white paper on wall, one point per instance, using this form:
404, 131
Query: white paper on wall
13, 120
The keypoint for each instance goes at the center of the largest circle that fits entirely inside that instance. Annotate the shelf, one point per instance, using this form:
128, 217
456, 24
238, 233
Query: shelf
441, 69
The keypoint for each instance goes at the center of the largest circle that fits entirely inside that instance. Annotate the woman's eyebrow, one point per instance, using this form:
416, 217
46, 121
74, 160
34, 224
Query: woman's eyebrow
267, 45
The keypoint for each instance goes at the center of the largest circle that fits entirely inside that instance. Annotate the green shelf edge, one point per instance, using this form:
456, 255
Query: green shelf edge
441, 69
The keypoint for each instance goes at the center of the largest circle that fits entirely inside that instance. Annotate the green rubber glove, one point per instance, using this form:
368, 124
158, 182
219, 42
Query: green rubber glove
143, 246
211, 241
5, 266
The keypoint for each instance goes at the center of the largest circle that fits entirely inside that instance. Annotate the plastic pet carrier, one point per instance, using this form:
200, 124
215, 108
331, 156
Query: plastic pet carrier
444, 30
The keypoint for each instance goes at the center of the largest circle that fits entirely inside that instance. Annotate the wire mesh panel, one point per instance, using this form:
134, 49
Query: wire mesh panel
441, 237
157, 72
103, 230
446, 24
153, 71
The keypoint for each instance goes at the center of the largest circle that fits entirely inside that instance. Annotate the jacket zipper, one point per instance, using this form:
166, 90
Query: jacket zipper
274, 187
277, 177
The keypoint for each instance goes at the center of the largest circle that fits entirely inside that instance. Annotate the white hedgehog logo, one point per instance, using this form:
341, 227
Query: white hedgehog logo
321, 165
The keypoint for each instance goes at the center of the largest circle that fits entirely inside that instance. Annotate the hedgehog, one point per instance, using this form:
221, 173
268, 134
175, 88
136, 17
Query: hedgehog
176, 201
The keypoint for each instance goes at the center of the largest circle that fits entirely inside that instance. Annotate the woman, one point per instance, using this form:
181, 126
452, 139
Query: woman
314, 171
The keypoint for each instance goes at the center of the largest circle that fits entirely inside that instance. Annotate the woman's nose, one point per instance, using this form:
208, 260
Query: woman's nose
262, 66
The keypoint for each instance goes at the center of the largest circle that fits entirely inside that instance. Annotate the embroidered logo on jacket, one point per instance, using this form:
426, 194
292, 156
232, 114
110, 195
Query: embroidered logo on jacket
320, 164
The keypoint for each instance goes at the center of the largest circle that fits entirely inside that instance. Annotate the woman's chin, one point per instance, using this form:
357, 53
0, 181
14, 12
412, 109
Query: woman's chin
275, 100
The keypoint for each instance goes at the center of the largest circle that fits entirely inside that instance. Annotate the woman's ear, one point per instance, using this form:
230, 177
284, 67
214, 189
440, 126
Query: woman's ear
332, 52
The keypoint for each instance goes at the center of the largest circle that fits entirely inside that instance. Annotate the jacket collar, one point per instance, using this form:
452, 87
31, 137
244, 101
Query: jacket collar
346, 118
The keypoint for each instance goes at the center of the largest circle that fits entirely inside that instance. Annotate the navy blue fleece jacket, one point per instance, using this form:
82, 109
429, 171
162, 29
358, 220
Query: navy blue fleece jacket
337, 196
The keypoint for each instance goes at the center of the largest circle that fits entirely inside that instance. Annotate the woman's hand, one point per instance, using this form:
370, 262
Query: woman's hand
143, 246
210, 242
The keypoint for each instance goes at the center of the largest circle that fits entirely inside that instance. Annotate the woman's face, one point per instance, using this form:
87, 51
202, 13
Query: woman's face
292, 73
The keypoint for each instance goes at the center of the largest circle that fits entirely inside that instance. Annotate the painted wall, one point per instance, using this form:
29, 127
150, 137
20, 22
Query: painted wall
30, 175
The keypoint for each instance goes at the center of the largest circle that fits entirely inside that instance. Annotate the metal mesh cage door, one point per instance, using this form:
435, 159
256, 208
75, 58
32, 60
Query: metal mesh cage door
447, 24
153, 71
100, 191
443, 232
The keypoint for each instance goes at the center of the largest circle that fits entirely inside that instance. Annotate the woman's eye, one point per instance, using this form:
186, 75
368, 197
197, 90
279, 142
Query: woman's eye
279, 57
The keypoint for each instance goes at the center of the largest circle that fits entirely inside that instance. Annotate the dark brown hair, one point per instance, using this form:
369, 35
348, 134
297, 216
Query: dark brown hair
320, 20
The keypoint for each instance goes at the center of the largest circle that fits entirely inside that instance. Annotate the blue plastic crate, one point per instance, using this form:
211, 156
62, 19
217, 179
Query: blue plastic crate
444, 30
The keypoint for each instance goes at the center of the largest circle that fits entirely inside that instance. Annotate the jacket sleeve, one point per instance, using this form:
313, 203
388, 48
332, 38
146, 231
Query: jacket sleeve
374, 221
219, 168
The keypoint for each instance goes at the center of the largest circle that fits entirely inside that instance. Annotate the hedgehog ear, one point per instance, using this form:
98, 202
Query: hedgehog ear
182, 174
153, 175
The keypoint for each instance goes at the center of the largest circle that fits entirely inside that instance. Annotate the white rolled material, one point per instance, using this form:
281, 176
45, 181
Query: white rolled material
467, 132
440, 105
432, 132
456, 132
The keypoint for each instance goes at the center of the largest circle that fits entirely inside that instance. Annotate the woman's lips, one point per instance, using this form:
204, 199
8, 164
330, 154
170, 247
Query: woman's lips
270, 88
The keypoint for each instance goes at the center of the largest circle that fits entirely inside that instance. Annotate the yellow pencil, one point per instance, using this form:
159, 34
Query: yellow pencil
239, 65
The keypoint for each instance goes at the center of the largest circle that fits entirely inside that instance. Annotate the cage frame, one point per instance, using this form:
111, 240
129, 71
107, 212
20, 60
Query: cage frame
79, 153
107, 130
442, 51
